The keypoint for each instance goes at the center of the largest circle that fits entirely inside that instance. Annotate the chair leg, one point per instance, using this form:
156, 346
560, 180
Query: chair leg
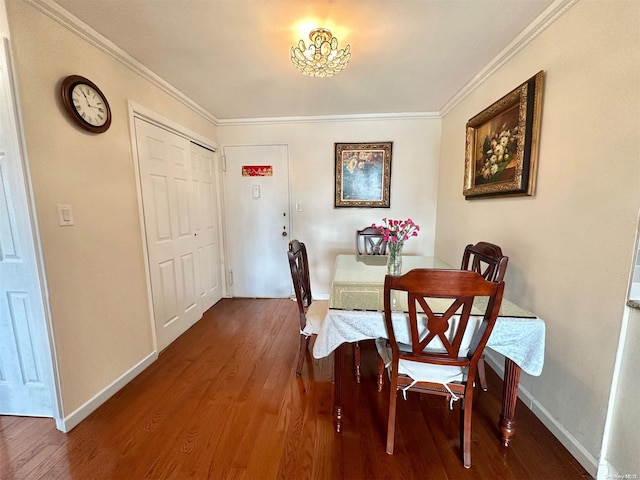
391, 423
467, 404
481, 374
380, 373
356, 360
381, 369
304, 344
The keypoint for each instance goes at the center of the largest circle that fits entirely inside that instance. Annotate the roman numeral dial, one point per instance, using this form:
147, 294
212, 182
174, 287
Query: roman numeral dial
86, 104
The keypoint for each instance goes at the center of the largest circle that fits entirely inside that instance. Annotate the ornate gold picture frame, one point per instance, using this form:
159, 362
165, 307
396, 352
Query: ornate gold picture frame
502, 144
363, 174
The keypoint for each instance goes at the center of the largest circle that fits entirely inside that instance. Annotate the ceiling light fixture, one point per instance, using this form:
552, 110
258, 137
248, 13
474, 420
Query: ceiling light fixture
322, 58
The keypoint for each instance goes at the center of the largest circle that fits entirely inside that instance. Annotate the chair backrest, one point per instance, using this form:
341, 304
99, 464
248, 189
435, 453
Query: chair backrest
299, 266
445, 327
486, 259
370, 241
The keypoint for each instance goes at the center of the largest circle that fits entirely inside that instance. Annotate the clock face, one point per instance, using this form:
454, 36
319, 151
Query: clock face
86, 104
89, 104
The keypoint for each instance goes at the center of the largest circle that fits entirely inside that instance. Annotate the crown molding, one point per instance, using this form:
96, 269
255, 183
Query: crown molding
329, 118
545, 19
91, 36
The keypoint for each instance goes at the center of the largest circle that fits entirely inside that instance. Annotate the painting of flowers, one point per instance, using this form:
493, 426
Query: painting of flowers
363, 172
502, 144
497, 149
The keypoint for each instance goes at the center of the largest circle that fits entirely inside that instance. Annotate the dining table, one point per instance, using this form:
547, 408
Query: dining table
356, 313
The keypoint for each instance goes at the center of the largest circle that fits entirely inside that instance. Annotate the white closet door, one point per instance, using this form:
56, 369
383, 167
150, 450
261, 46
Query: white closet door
168, 201
204, 165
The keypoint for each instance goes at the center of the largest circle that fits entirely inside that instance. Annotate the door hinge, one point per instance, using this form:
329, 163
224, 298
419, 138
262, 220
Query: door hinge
230, 277
223, 158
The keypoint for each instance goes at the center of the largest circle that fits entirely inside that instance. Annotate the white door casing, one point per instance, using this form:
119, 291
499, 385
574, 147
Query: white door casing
26, 372
257, 221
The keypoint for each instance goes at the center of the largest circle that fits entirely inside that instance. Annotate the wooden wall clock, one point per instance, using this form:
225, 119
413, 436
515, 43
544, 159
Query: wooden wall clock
86, 104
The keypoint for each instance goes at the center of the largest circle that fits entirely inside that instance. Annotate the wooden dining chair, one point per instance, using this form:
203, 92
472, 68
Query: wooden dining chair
370, 241
441, 359
486, 259
312, 312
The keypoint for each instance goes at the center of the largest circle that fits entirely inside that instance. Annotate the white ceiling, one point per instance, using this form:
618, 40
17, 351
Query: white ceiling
231, 57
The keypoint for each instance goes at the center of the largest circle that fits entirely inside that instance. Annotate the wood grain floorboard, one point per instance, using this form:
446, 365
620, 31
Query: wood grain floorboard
223, 402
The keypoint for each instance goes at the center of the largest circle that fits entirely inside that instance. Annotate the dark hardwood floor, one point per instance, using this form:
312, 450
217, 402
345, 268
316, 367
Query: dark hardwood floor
223, 402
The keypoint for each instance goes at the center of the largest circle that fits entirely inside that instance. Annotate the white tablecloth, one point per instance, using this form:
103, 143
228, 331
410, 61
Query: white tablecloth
520, 339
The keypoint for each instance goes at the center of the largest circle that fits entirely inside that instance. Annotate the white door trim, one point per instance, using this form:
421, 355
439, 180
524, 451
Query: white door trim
139, 111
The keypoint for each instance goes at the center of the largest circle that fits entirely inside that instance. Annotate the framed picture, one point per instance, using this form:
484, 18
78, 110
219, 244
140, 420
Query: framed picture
363, 174
502, 144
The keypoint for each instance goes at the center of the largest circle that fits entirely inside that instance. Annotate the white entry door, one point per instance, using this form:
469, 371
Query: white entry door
172, 187
256, 186
26, 376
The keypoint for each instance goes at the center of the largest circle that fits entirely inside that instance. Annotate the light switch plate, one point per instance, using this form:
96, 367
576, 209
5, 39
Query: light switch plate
65, 215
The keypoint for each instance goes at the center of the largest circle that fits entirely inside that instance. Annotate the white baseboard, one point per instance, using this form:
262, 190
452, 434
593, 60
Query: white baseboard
74, 418
585, 459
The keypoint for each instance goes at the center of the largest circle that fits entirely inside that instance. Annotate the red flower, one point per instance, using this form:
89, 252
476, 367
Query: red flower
397, 231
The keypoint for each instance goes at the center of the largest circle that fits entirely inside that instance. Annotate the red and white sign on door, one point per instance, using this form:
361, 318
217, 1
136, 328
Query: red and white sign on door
257, 171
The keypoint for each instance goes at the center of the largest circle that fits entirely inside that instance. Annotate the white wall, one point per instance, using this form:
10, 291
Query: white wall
326, 230
571, 245
95, 269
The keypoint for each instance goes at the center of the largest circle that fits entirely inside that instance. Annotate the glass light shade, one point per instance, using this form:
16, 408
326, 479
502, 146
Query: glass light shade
321, 58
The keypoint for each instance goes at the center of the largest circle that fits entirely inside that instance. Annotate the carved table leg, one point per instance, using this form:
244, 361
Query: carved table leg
509, 400
338, 369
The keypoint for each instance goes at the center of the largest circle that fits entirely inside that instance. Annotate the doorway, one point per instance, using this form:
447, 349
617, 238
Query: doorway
178, 183
27, 381
256, 192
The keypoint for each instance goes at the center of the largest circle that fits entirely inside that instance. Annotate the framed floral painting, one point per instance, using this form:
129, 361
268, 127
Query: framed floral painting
363, 174
502, 144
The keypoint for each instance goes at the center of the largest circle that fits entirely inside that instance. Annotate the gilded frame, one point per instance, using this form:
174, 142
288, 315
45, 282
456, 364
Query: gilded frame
502, 144
363, 174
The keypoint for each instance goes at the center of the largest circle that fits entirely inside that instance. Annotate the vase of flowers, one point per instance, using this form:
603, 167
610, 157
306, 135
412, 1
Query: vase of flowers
396, 232
394, 261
